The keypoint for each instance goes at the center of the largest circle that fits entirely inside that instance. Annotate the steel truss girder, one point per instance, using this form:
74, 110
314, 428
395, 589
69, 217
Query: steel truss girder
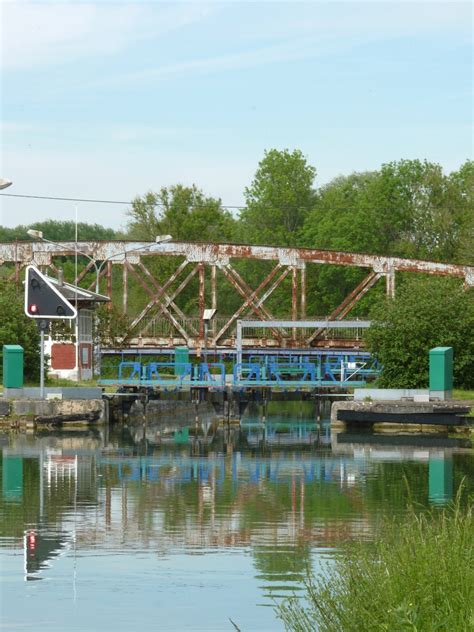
349, 302
250, 296
201, 257
40, 253
168, 299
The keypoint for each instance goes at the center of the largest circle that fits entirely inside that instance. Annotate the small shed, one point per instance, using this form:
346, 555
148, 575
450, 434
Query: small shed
71, 353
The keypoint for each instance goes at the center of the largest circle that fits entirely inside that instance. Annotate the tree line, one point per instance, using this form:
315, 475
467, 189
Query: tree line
408, 208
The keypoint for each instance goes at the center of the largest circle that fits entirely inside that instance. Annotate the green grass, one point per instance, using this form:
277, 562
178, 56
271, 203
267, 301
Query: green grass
463, 394
417, 576
52, 381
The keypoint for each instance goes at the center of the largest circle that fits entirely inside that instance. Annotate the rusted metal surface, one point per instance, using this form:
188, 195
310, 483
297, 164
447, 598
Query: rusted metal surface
84, 271
125, 289
303, 292
202, 300
390, 282
349, 302
244, 290
109, 283
161, 291
165, 342
155, 301
155, 297
213, 297
246, 303
209, 259
41, 253
294, 297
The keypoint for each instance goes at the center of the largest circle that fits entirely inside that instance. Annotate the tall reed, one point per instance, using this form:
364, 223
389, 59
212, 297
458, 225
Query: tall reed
418, 575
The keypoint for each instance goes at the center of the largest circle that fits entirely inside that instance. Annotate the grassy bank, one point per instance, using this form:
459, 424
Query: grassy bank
463, 394
417, 576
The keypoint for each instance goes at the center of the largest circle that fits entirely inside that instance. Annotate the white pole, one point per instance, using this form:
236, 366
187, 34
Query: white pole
239, 343
75, 285
42, 364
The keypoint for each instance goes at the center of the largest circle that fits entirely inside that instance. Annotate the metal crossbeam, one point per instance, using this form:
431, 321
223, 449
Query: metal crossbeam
307, 324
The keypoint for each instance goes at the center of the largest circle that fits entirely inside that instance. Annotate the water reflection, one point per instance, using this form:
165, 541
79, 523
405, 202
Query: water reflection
287, 494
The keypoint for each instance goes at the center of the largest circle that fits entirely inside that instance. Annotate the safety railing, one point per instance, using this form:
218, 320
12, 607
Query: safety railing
136, 373
327, 370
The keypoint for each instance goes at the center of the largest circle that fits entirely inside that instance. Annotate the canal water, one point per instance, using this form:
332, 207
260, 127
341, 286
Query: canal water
174, 525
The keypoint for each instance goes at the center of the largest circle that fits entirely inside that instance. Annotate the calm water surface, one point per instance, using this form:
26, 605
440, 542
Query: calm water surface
176, 527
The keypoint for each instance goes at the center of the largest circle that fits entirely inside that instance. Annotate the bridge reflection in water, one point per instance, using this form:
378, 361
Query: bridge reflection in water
287, 494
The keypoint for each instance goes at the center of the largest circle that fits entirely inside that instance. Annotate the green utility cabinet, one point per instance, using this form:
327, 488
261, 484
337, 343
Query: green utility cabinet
13, 363
441, 369
181, 356
440, 480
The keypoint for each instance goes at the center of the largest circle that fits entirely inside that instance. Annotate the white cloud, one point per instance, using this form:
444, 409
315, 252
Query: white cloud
381, 18
36, 34
233, 61
313, 30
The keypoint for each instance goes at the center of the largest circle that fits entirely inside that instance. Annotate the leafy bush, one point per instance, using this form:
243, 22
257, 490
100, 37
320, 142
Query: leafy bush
426, 313
18, 329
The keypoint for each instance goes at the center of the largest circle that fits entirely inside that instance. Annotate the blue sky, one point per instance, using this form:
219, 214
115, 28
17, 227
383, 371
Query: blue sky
111, 99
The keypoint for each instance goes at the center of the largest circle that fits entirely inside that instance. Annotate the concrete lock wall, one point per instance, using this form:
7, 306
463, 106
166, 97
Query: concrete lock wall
391, 394
54, 392
57, 408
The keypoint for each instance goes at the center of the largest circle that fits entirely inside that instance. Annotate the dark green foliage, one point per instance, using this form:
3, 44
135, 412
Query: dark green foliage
183, 212
59, 231
426, 313
407, 208
110, 324
418, 575
279, 199
18, 329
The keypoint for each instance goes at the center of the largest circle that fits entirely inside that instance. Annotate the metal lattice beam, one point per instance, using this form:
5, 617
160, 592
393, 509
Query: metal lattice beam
205, 261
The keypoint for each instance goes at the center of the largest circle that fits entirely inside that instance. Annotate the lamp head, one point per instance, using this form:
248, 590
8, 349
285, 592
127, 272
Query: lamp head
36, 234
163, 239
209, 314
4, 183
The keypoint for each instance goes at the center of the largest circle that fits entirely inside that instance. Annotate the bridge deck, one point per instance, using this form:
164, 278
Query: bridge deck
178, 385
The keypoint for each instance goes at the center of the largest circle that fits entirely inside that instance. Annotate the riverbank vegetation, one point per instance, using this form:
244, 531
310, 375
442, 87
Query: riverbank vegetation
417, 575
426, 313
16, 328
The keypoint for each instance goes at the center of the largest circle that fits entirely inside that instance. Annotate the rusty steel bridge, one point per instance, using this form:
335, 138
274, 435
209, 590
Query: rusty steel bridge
162, 323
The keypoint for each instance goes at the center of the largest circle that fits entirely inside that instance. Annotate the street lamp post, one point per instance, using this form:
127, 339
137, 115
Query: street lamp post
4, 183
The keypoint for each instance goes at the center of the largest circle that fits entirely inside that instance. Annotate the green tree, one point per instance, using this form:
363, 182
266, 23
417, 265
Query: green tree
183, 212
18, 329
426, 313
187, 214
279, 199
461, 185
55, 230
407, 208
339, 219
415, 208
110, 325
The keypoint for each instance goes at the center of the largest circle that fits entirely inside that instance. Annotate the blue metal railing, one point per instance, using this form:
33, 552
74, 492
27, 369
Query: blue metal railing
287, 372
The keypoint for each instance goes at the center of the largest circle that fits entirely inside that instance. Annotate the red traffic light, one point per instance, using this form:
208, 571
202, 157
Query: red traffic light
43, 298
31, 540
